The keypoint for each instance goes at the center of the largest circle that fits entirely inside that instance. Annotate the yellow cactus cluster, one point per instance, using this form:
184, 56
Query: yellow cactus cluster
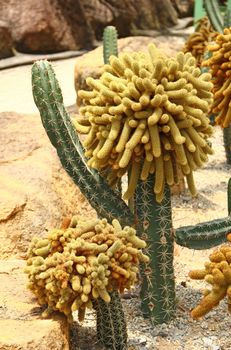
146, 114
198, 41
217, 272
82, 261
220, 67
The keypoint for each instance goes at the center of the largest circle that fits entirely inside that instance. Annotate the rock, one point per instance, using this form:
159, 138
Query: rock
46, 25
35, 191
184, 8
90, 64
20, 316
6, 43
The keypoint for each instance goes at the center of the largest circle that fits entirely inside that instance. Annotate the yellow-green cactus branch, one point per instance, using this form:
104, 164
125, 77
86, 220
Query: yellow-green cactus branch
217, 273
82, 261
144, 114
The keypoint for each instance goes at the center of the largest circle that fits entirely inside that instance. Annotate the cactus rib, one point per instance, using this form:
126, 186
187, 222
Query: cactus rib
111, 324
213, 12
57, 123
205, 235
155, 225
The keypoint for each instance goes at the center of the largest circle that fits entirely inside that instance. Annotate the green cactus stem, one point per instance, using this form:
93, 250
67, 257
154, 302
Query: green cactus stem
109, 43
111, 324
227, 143
214, 14
207, 234
58, 125
155, 225
204, 236
199, 11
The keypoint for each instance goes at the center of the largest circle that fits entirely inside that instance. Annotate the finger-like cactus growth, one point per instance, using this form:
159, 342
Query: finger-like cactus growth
147, 106
217, 273
220, 68
72, 267
198, 41
226, 20
109, 43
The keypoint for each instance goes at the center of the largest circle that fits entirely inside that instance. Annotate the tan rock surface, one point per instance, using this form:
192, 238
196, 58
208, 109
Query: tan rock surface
21, 325
35, 191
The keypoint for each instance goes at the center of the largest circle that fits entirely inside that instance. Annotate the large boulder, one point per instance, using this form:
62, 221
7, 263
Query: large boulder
129, 14
35, 191
46, 25
184, 8
58, 25
21, 324
6, 42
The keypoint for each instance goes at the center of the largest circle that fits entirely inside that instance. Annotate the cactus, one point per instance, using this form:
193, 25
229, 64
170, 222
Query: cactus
111, 325
58, 125
109, 43
217, 273
59, 128
197, 42
155, 225
74, 266
213, 11
220, 20
138, 118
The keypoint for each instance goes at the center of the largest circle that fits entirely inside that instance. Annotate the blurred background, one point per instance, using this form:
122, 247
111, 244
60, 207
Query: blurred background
51, 26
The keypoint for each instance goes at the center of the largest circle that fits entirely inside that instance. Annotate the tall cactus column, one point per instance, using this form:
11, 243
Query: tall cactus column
111, 324
155, 226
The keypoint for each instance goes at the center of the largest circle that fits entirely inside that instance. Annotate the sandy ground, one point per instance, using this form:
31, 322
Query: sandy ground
15, 87
213, 332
